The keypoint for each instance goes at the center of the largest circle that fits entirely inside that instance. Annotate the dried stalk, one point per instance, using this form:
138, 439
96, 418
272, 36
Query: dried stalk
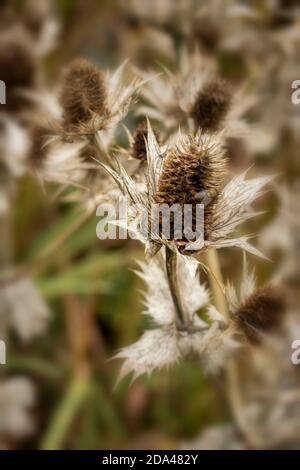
171, 268
235, 397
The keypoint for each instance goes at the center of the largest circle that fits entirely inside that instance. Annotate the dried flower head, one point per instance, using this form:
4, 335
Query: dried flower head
18, 66
191, 172
83, 94
94, 101
260, 313
139, 150
211, 105
196, 97
225, 206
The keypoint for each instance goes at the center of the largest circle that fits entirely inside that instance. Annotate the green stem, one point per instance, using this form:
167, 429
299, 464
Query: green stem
66, 411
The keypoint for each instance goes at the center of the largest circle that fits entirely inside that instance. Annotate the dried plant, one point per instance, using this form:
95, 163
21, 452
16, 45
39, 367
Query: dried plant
182, 125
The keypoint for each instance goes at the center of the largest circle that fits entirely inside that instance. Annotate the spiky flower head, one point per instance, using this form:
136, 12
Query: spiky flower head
83, 94
211, 105
192, 171
18, 66
260, 313
139, 150
187, 181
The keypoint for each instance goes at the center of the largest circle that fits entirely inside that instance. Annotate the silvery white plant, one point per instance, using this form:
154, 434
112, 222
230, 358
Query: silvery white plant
173, 338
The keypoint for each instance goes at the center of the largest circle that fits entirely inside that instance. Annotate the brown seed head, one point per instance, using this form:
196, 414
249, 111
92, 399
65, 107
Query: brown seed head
211, 105
83, 94
261, 312
18, 66
189, 173
139, 147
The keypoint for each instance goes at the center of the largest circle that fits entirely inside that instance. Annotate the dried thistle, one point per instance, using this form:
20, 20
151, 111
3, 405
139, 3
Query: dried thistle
192, 172
18, 67
227, 206
255, 310
196, 97
83, 94
211, 105
139, 150
94, 101
260, 313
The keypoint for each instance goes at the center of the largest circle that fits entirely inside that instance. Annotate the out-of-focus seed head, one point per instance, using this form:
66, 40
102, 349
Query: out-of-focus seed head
83, 94
18, 66
211, 105
191, 172
206, 35
139, 146
260, 313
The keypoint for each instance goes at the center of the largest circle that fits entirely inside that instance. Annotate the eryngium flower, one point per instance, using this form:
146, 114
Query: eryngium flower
226, 207
196, 94
255, 311
139, 145
260, 313
18, 67
83, 94
139, 138
93, 100
192, 172
211, 105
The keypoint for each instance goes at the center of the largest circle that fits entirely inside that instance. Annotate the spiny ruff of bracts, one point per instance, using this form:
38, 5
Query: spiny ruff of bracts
192, 173
18, 67
211, 342
139, 141
260, 313
211, 105
83, 94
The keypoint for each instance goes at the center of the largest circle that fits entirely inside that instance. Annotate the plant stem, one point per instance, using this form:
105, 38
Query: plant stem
171, 268
67, 410
235, 398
